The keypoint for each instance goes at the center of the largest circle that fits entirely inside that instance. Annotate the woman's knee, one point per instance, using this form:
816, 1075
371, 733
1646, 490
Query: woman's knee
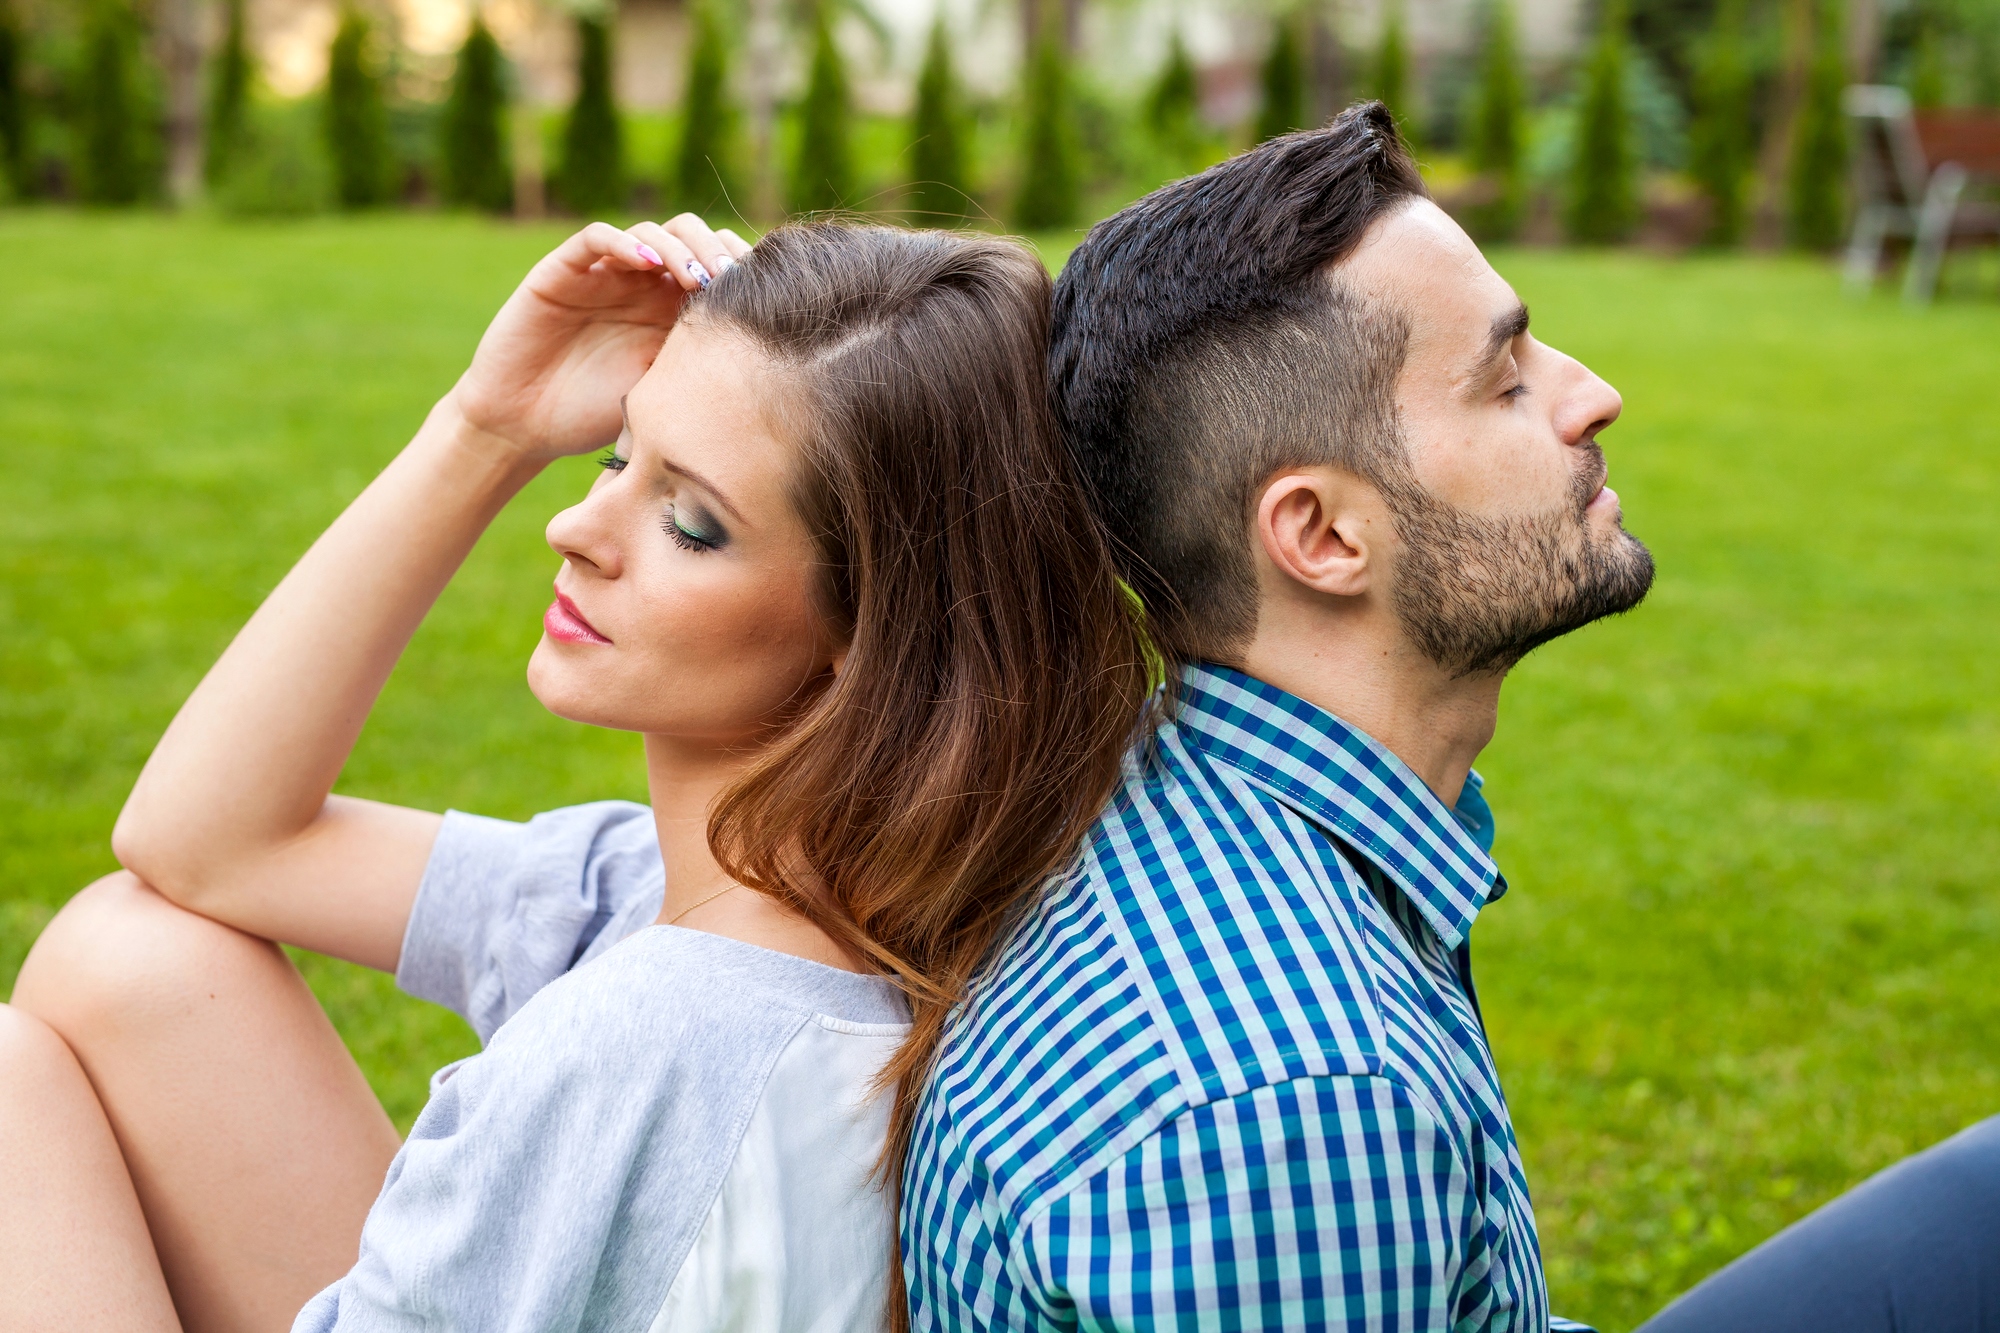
31, 1053
118, 954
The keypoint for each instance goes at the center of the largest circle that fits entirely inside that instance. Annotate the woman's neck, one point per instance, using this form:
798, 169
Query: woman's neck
683, 781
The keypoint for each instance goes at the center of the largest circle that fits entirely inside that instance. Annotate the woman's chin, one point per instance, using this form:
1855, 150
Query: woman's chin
562, 687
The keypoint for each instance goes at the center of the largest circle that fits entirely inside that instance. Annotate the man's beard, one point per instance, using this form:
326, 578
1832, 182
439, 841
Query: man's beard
1479, 594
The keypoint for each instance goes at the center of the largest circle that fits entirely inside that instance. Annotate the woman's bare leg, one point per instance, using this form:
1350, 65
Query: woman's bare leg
253, 1142
74, 1253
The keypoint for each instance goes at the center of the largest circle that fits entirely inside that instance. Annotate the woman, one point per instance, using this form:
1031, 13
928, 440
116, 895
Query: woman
837, 572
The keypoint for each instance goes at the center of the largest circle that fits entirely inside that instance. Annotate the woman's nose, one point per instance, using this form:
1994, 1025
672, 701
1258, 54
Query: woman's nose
581, 535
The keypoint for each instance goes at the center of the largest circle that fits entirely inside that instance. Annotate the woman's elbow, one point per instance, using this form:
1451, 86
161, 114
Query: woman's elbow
144, 846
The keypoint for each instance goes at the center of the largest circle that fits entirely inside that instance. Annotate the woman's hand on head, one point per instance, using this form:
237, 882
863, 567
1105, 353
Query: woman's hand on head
581, 329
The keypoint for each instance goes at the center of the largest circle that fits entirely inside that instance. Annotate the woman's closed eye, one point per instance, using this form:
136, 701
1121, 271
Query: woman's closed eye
690, 534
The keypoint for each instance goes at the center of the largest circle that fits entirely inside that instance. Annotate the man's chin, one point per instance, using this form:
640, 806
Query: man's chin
1615, 580
1614, 577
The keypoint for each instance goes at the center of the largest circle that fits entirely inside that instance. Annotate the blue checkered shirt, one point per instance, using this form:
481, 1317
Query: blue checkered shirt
1231, 1072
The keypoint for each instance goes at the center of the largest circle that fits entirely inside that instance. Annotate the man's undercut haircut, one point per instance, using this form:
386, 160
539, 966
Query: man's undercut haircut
1202, 343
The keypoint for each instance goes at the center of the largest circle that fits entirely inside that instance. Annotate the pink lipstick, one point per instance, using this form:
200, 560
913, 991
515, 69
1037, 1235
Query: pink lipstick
563, 621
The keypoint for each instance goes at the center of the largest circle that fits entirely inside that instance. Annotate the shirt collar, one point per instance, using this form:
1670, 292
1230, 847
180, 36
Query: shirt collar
1340, 778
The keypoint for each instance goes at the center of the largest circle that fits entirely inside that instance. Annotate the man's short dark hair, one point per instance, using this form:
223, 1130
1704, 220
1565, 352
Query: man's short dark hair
1200, 345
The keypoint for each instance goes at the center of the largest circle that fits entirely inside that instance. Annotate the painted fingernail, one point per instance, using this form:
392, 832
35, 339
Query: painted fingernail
698, 273
651, 256
723, 263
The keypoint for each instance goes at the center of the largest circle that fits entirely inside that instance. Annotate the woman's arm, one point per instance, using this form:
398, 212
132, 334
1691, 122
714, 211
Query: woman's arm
232, 815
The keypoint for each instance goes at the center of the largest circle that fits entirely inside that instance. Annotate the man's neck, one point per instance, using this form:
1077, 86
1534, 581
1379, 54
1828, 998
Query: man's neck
1381, 685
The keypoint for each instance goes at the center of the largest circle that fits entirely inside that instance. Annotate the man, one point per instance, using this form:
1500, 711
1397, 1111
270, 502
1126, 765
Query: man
1232, 1072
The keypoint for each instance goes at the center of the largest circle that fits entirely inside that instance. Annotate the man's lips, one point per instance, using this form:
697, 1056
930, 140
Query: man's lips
1605, 496
563, 621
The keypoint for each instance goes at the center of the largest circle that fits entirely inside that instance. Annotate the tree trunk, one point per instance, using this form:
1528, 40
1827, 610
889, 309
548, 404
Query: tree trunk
1035, 12
767, 45
1327, 64
177, 37
1768, 228
1864, 25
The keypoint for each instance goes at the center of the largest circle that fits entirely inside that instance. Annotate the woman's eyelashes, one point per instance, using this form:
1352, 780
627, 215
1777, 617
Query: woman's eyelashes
691, 532
619, 454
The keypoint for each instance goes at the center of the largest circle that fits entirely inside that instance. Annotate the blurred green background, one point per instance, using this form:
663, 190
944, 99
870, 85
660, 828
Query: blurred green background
1750, 828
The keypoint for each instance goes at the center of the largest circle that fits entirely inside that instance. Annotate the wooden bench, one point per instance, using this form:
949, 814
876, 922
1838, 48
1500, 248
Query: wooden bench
1919, 177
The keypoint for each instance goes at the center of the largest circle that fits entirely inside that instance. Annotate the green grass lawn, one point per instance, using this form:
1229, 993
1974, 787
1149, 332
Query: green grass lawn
1750, 829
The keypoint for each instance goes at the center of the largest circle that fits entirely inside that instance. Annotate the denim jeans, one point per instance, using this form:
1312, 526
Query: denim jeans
1915, 1249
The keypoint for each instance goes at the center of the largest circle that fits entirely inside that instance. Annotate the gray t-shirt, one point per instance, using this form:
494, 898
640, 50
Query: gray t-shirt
666, 1130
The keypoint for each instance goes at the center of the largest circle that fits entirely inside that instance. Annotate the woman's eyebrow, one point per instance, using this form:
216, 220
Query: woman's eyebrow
721, 497
705, 484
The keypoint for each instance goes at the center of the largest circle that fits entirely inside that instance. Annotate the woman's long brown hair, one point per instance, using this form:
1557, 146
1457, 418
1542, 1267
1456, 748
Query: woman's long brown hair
995, 674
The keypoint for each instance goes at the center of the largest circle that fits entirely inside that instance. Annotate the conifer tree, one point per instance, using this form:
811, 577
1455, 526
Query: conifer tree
591, 175
13, 107
1927, 68
1389, 78
228, 97
1175, 97
704, 165
1986, 59
1496, 127
1719, 145
357, 127
823, 173
1603, 202
1819, 144
1049, 187
478, 172
1284, 81
112, 116
938, 193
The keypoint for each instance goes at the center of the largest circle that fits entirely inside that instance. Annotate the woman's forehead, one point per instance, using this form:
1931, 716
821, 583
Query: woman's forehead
703, 409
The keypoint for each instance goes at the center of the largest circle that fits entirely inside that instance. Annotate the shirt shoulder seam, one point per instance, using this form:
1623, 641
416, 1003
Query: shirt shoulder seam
1081, 1180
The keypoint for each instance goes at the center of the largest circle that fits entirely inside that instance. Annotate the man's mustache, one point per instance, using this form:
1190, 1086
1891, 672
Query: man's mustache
1590, 475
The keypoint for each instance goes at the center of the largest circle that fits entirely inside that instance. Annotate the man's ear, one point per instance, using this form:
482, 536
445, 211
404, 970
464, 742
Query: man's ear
1314, 529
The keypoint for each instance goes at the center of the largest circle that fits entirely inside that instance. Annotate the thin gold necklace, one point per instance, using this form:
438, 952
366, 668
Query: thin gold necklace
731, 888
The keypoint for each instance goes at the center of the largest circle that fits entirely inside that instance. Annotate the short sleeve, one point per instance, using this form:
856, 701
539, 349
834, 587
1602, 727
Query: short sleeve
506, 908
1248, 1211
558, 1179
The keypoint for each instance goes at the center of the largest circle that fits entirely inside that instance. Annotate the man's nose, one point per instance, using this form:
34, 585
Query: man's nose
1588, 407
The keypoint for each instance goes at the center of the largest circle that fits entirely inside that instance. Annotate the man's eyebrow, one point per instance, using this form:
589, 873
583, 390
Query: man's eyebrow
1505, 329
720, 497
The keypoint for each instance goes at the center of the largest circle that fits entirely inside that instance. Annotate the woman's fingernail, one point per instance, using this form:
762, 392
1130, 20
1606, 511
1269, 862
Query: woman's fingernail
651, 256
698, 273
723, 263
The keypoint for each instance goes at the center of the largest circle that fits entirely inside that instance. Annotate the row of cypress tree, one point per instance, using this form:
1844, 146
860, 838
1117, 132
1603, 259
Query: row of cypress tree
706, 170
589, 175
118, 149
821, 175
117, 161
1602, 201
